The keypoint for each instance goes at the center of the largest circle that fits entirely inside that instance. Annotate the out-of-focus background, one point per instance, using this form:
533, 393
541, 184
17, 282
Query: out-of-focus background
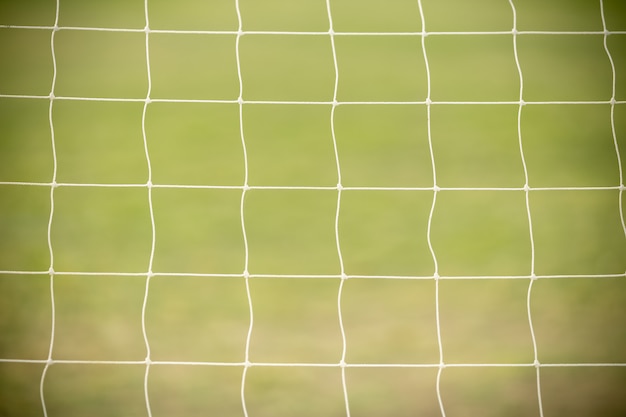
292, 231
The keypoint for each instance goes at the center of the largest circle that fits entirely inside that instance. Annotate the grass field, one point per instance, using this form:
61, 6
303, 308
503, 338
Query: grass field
291, 232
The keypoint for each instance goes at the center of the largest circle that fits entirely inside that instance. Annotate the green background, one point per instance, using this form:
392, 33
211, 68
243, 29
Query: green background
292, 231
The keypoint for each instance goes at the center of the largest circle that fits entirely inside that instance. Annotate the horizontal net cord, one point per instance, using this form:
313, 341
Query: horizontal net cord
315, 364
317, 33
311, 188
326, 103
311, 276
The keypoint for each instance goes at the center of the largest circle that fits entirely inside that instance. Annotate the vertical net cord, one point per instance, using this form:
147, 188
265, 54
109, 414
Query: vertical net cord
342, 362
533, 277
245, 189
613, 132
432, 210
50, 218
150, 274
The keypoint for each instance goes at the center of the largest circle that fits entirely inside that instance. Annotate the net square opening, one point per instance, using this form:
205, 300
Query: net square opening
464, 16
27, 13
20, 388
289, 145
392, 392
490, 391
197, 318
193, 15
580, 319
26, 147
99, 142
564, 68
375, 16
284, 15
390, 321
195, 391
380, 68
383, 146
98, 317
569, 146
24, 216
195, 143
291, 231
95, 390
25, 317
476, 146
472, 68
101, 229
111, 14
193, 66
583, 391
295, 321
198, 230
577, 16
613, 14
477, 233
101, 64
485, 321
287, 67
294, 391
26, 61
385, 232
578, 232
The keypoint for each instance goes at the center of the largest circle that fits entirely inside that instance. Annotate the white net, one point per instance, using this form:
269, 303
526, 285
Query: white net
312, 208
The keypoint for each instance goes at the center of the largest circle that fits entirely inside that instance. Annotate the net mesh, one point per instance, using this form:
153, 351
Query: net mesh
278, 308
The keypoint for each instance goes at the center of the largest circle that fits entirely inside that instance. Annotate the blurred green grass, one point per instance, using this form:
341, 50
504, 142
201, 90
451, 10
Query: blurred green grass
98, 317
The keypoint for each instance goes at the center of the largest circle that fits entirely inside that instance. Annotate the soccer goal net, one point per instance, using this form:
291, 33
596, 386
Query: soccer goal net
312, 208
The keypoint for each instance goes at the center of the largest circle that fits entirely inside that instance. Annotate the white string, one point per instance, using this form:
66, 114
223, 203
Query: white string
313, 276
247, 364
304, 188
317, 364
344, 345
327, 103
314, 33
149, 274
52, 186
435, 190
528, 213
613, 132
